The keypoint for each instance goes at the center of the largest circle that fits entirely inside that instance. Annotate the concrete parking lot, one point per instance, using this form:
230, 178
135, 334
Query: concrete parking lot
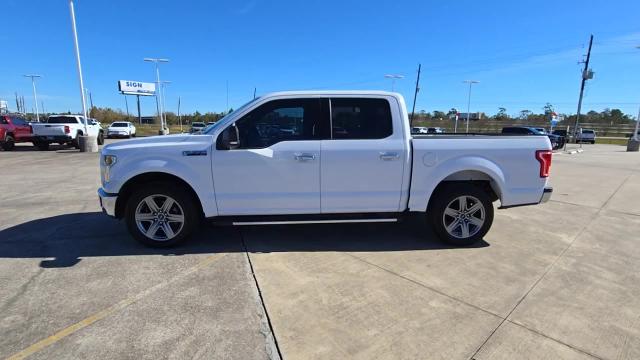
556, 281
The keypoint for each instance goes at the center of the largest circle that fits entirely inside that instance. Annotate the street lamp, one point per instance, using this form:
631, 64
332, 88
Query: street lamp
157, 62
393, 78
635, 132
81, 141
470, 82
164, 102
35, 95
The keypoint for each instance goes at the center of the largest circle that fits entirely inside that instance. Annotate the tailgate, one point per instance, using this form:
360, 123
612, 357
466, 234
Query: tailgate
49, 129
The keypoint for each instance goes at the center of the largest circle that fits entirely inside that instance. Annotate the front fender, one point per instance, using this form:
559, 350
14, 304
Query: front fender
196, 171
425, 179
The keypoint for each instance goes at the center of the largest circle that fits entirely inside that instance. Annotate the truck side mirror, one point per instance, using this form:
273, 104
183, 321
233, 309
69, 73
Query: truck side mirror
229, 139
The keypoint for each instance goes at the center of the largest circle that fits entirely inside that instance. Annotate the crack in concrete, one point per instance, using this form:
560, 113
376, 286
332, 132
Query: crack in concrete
266, 327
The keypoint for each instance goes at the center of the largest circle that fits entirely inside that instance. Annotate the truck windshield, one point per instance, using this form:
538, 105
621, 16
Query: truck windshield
210, 128
62, 120
119, 125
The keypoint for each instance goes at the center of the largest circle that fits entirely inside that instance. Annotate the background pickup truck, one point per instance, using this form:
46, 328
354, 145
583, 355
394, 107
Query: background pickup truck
64, 130
298, 157
13, 129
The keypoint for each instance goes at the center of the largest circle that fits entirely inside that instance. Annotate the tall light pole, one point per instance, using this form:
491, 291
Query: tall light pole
164, 102
393, 78
157, 62
470, 82
79, 65
35, 95
635, 132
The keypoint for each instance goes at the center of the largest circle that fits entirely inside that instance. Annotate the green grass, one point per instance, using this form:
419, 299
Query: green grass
612, 141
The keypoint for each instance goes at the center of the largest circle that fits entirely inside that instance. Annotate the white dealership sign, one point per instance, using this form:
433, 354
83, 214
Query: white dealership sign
136, 88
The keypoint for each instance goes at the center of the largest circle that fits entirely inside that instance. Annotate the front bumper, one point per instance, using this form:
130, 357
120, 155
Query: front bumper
118, 134
107, 202
546, 195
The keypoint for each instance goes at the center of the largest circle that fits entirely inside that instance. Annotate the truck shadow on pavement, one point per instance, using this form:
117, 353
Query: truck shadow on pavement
65, 239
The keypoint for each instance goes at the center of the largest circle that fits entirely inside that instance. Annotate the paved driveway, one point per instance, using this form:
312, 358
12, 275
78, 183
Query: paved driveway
559, 280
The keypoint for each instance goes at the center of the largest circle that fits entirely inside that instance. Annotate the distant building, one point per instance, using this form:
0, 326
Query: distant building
473, 116
148, 119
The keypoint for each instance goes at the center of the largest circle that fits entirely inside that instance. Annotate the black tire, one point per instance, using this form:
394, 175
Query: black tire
9, 143
445, 197
134, 135
181, 196
100, 138
42, 146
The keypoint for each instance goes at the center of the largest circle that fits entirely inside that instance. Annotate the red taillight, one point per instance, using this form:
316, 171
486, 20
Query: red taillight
544, 158
67, 129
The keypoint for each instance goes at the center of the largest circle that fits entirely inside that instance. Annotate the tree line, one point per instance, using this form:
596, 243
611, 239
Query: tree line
605, 117
107, 115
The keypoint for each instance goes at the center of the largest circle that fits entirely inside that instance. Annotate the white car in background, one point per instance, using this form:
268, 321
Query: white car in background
586, 135
121, 129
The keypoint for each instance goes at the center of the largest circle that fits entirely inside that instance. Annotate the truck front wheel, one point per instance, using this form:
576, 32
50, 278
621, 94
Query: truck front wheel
161, 215
461, 213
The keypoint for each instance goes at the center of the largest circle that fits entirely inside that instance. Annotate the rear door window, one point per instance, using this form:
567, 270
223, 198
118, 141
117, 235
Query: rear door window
360, 118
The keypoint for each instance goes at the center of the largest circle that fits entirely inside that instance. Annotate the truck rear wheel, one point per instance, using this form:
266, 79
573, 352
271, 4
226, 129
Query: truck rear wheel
161, 215
9, 143
461, 213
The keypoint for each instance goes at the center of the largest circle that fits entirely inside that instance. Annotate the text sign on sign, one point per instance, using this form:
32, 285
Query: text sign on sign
136, 87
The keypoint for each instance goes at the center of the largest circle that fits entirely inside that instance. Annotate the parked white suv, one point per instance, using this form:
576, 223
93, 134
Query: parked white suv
586, 135
64, 130
333, 156
121, 129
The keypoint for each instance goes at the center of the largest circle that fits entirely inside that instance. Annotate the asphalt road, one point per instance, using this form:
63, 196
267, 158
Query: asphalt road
556, 281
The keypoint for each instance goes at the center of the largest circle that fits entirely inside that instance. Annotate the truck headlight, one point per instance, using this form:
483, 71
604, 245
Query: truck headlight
109, 160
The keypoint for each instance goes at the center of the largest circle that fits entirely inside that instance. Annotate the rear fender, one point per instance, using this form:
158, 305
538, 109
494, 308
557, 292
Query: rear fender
425, 180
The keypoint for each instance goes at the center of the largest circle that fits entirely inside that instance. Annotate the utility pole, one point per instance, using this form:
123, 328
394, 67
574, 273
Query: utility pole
17, 103
227, 109
415, 96
585, 76
254, 92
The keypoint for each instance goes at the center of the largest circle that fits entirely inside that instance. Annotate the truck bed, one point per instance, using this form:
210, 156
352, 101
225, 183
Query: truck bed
508, 162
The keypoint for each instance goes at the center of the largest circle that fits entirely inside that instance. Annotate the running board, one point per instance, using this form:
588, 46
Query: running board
343, 218
247, 223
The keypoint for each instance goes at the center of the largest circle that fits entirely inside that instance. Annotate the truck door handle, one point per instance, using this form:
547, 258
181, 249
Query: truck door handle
304, 156
388, 156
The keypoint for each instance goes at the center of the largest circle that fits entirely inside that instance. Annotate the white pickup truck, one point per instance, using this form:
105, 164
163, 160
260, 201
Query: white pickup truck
321, 157
64, 130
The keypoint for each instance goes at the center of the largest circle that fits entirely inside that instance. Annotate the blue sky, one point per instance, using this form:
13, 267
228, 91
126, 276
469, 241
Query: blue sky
524, 53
